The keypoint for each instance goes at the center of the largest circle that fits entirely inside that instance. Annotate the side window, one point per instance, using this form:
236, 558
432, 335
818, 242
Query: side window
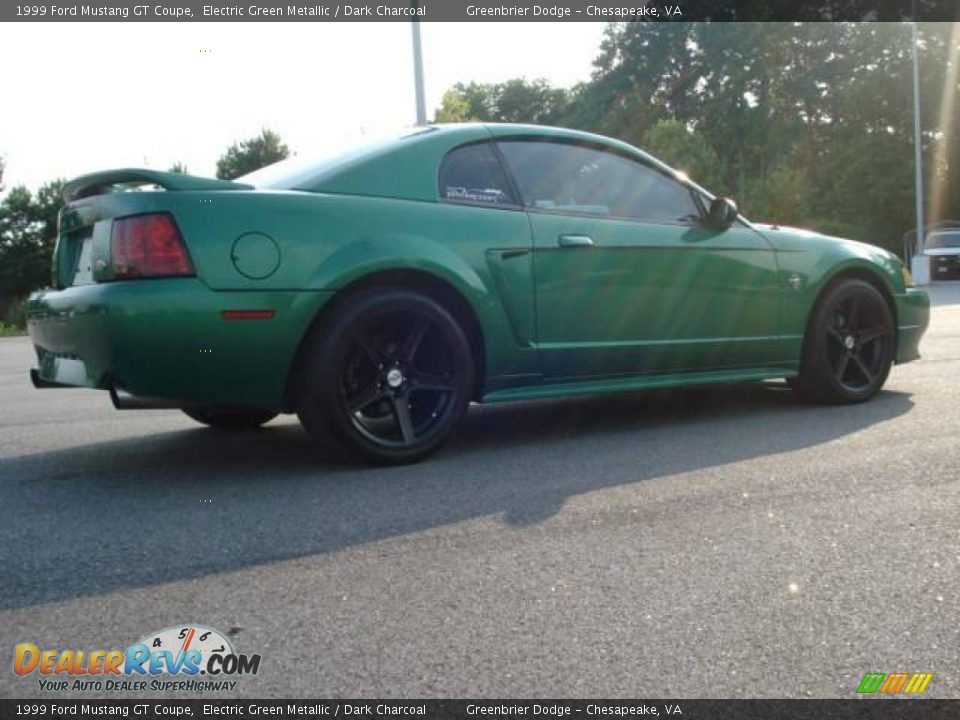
473, 174
574, 178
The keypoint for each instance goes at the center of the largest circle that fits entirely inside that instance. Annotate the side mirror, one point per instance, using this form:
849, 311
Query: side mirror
722, 214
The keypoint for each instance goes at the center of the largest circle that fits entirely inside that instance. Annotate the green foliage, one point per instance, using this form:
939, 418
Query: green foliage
454, 108
517, 100
252, 154
28, 223
13, 317
803, 123
683, 149
28, 233
808, 124
179, 168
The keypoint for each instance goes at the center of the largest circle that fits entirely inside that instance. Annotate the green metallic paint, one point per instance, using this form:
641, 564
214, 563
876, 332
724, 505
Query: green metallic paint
547, 390
817, 259
166, 339
647, 306
653, 298
411, 170
95, 183
913, 313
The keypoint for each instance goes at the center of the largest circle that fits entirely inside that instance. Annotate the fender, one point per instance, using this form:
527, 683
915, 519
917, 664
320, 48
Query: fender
809, 261
354, 260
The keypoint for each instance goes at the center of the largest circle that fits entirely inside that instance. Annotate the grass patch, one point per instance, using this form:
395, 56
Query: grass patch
13, 316
11, 330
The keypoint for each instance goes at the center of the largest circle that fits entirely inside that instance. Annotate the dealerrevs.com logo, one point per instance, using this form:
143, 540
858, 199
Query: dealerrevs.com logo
190, 658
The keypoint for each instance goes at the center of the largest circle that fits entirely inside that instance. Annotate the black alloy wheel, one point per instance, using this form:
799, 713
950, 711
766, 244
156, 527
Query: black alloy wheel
849, 346
394, 374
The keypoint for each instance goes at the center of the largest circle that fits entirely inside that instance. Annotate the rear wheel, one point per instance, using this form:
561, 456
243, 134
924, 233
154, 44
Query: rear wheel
388, 376
849, 346
229, 418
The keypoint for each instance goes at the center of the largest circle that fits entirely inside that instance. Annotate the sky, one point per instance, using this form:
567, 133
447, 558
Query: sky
81, 97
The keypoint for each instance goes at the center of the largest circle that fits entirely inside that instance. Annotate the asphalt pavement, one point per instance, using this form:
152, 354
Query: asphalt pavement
723, 542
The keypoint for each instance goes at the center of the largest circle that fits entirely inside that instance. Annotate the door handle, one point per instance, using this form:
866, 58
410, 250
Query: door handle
574, 241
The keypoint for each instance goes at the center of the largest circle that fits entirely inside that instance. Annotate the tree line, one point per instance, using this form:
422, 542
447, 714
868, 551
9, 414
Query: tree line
28, 222
808, 124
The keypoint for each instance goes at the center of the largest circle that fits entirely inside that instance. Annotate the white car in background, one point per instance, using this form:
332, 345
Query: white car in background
943, 249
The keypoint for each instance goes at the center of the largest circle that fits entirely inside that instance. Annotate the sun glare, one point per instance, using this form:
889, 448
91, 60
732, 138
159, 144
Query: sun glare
945, 133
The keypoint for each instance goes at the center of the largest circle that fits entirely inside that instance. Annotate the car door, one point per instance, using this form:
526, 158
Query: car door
627, 278
484, 222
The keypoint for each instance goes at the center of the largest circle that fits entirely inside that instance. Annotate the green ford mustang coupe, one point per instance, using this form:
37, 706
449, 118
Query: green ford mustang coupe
378, 292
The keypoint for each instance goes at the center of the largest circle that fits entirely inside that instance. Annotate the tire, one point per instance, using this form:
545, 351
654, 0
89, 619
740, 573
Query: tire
849, 345
229, 418
387, 376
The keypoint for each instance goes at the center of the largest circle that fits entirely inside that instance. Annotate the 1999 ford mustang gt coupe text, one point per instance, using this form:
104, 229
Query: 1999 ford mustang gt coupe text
378, 292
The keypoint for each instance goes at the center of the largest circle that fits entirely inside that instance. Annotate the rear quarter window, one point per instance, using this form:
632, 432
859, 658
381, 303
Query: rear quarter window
472, 174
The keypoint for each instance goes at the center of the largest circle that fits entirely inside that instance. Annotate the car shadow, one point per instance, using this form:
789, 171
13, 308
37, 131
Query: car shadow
188, 503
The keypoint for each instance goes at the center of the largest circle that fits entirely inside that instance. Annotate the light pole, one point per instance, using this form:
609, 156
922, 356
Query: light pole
418, 70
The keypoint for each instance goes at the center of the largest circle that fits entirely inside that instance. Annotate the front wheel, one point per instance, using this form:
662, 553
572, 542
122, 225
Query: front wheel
229, 418
388, 376
849, 346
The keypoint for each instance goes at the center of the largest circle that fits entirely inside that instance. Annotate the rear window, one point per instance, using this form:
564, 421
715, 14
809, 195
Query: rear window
296, 172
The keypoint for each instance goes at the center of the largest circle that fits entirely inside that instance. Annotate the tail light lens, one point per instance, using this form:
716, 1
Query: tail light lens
145, 246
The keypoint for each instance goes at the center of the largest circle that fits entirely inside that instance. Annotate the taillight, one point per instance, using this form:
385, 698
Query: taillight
148, 246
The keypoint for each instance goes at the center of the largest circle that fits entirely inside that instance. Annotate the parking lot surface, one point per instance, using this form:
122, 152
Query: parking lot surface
724, 542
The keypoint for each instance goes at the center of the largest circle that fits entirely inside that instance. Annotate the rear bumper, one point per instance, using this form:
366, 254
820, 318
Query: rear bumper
913, 316
168, 339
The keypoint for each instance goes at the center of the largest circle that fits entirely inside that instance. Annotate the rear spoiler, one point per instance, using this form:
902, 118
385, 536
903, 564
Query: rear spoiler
106, 181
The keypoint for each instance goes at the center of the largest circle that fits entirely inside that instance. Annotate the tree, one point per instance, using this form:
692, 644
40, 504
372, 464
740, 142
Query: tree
684, 149
252, 154
179, 168
517, 100
28, 233
454, 108
791, 111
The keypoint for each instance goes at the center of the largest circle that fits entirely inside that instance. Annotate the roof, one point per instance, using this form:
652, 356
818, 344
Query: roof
406, 166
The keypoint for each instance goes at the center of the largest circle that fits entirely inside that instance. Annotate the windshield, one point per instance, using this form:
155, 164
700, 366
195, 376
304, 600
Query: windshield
293, 173
944, 239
